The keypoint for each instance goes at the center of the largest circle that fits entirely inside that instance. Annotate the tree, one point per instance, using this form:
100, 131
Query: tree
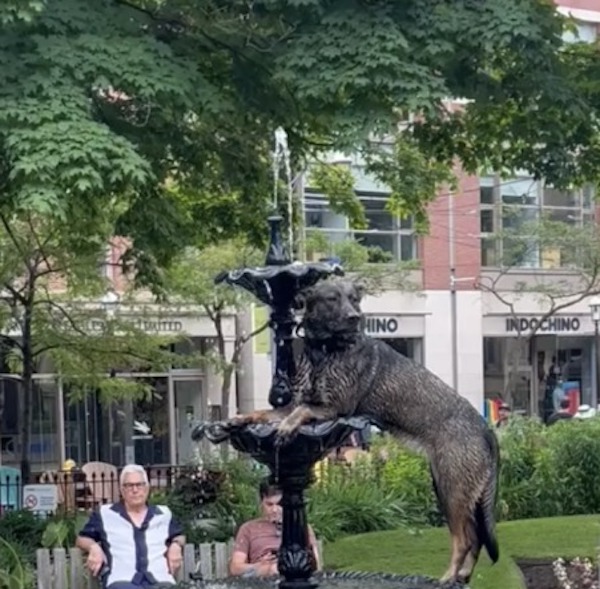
559, 245
164, 110
191, 280
371, 267
51, 285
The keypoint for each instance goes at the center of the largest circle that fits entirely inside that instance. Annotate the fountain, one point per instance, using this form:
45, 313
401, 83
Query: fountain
277, 285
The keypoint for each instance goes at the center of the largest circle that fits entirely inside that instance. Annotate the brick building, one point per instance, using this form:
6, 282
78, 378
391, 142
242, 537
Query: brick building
463, 334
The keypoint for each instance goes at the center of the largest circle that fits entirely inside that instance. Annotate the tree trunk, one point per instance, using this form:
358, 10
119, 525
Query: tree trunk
517, 348
514, 356
226, 389
27, 397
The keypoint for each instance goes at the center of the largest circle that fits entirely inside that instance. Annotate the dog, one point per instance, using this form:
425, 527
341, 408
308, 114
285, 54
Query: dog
342, 372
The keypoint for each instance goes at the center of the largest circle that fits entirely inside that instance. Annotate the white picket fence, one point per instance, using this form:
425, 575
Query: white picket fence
64, 569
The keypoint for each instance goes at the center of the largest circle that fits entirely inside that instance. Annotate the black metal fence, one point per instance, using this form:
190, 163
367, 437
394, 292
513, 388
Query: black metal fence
76, 490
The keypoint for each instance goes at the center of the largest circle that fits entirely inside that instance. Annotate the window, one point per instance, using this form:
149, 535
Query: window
394, 236
581, 32
509, 214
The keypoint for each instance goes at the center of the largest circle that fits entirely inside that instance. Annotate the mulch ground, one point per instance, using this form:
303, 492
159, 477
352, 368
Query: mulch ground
538, 574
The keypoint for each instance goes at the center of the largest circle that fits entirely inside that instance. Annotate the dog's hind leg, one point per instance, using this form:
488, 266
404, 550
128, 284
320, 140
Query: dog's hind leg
464, 552
465, 572
461, 548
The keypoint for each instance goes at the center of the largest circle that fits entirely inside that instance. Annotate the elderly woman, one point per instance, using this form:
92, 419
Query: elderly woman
131, 544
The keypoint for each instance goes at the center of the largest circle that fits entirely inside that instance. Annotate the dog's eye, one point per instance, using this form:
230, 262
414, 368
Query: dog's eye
332, 298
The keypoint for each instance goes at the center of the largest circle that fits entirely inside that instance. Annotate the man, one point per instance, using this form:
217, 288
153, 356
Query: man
558, 394
562, 413
257, 541
131, 544
504, 413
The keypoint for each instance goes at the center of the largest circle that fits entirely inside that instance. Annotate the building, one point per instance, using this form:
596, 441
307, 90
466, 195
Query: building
153, 430
462, 333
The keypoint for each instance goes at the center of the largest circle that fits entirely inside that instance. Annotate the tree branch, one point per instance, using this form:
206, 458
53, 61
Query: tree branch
14, 239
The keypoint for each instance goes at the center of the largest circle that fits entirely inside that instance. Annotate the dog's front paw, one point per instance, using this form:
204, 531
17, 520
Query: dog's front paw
286, 432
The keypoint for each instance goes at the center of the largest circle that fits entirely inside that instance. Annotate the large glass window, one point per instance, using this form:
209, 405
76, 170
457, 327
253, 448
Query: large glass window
510, 211
581, 32
151, 423
94, 430
411, 347
394, 236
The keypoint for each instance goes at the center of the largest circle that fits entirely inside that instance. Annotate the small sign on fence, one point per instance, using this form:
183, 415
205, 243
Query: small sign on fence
42, 499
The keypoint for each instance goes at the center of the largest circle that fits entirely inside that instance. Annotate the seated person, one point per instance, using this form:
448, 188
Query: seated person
131, 544
257, 542
562, 413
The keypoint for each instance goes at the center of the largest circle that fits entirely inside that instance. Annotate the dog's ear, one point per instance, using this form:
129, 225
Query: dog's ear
299, 302
361, 290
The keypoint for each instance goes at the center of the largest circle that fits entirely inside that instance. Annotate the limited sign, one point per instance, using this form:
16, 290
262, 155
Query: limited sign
549, 324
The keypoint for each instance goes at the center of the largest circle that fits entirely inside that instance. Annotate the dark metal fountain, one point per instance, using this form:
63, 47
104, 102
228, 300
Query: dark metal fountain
277, 285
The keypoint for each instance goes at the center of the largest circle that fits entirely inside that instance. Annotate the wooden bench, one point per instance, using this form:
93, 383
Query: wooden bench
59, 568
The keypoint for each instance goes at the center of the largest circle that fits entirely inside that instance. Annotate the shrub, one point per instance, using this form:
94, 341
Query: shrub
16, 572
21, 528
520, 445
545, 471
548, 471
406, 475
212, 501
348, 500
62, 531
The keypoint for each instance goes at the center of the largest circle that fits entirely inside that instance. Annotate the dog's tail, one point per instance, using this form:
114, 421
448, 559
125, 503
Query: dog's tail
485, 517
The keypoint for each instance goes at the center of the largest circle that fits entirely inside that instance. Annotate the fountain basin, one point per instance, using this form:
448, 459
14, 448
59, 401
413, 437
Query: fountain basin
277, 286
312, 442
338, 580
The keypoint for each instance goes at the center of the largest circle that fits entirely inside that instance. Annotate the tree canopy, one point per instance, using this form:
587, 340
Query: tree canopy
163, 111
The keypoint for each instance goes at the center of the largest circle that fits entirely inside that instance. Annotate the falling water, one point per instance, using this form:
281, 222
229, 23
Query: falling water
276, 469
281, 155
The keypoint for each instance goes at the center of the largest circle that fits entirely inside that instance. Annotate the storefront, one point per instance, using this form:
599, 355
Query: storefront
404, 333
525, 354
150, 430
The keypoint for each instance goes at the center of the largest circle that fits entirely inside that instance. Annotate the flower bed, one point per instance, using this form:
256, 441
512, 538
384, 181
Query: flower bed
548, 573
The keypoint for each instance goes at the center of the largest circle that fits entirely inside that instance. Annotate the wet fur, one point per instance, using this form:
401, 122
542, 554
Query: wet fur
342, 372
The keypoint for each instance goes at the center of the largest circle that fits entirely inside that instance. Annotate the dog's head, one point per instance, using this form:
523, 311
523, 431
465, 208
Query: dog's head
332, 311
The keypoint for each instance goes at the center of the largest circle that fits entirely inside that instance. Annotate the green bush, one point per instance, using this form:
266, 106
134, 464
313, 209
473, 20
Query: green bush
16, 571
23, 529
548, 471
520, 446
349, 501
212, 508
545, 471
405, 474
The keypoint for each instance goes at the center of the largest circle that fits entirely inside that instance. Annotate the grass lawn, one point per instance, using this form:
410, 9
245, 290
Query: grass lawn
427, 552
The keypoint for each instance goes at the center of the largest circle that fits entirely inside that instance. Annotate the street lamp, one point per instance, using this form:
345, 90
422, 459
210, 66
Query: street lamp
595, 312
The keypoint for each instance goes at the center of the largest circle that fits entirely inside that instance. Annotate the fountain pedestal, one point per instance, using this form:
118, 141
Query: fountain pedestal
291, 467
277, 285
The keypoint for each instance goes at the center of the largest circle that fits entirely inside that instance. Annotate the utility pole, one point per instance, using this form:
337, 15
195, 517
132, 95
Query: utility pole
453, 308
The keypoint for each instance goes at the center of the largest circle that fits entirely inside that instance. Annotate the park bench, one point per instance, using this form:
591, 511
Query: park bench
61, 568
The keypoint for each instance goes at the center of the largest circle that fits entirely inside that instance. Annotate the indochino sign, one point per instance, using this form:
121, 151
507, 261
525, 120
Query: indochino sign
381, 326
547, 325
